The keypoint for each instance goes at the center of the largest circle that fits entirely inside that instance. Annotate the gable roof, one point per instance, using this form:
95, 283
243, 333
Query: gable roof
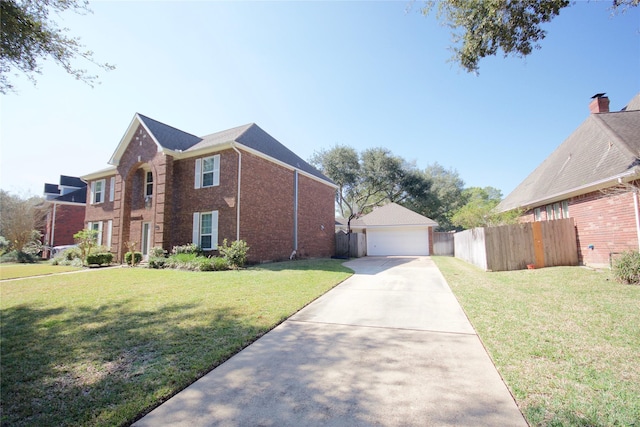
168, 136
603, 149
394, 215
182, 144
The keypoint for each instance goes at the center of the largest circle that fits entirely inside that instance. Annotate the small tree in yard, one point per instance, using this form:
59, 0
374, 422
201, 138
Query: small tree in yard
235, 254
86, 239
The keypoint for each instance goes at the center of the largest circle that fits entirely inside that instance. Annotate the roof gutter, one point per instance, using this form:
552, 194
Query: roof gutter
627, 176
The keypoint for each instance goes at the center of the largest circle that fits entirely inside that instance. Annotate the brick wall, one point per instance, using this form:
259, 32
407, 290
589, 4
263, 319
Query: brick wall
69, 220
186, 199
266, 211
316, 223
605, 221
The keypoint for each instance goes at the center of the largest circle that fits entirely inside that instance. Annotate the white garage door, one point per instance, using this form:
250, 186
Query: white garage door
397, 241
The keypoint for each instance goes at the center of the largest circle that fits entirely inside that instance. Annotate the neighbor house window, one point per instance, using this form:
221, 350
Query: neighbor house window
97, 191
205, 230
148, 185
207, 172
537, 215
565, 209
549, 210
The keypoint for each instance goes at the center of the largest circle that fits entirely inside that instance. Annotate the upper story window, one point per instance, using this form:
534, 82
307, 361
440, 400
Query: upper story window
148, 184
207, 173
97, 191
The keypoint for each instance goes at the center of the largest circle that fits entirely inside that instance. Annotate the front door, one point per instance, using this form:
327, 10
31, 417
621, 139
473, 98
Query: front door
146, 240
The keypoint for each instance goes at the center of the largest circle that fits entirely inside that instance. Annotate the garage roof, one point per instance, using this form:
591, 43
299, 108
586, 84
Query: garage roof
392, 215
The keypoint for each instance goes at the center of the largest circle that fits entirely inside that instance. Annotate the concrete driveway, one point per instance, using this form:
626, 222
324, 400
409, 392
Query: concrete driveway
390, 346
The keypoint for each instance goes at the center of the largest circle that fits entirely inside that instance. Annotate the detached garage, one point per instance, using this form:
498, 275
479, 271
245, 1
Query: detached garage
396, 230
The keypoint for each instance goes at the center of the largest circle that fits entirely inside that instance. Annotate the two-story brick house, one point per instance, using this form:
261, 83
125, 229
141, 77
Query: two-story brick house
166, 187
65, 212
594, 178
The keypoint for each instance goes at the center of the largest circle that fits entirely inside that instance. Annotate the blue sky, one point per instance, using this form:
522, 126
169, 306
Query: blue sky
313, 75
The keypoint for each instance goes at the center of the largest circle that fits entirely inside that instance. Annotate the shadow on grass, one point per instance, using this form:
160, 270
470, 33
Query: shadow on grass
105, 365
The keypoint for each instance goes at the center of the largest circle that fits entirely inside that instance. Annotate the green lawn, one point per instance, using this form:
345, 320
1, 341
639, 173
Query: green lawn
566, 340
14, 271
103, 346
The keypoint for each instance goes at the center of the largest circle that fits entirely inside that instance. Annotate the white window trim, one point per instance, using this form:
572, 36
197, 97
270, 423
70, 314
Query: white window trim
199, 173
90, 227
109, 233
101, 192
112, 188
197, 227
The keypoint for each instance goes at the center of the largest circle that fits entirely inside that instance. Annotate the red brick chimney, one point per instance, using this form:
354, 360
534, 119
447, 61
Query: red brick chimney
600, 103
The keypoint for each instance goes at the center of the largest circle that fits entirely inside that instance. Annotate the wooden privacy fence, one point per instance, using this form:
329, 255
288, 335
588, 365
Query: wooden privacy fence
443, 243
358, 244
514, 247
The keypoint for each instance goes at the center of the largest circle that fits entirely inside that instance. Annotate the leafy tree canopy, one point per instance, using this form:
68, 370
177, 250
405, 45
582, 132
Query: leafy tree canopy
371, 178
445, 197
483, 28
28, 36
478, 210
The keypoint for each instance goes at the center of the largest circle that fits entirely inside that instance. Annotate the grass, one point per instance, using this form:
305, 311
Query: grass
15, 271
105, 346
566, 340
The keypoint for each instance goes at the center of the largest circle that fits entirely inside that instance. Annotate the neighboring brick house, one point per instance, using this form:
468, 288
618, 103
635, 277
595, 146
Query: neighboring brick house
593, 177
167, 187
65, 214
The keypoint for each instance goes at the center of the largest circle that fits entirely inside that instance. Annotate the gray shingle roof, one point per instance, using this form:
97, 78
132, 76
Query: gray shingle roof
393, 214
72, 181
77, 196
249, 135
168, 136
604, 146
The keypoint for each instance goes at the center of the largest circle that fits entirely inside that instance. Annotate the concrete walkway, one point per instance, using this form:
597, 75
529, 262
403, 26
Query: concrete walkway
388, 347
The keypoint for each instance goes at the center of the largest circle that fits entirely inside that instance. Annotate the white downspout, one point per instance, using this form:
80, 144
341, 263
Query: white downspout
295, 212
53, 228
238, 198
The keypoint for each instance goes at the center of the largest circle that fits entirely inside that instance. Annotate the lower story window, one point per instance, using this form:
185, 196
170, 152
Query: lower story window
205, 230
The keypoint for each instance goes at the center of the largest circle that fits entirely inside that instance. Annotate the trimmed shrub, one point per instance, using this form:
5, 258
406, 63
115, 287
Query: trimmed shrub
626, 268
191, 248
137, 258
220, 264
157, 252
101, 258
211, 264
21, 257
157, 262
235, 254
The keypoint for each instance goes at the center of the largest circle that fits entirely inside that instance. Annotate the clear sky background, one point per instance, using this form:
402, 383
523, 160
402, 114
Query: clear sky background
313, 75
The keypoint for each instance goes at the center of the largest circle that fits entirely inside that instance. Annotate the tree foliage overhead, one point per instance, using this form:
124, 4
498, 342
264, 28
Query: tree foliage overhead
445, 197
371, 178
29, 36
478, 210
483, 28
